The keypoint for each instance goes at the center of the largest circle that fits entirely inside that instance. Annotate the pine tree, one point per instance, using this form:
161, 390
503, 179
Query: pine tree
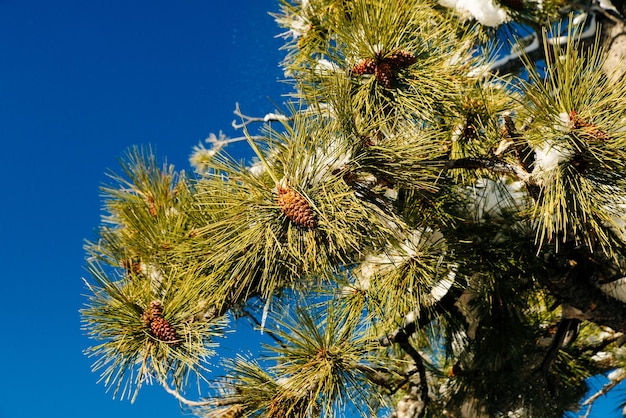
425, 231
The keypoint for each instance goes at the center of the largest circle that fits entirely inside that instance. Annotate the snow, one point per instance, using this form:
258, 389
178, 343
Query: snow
409, 249
616, 289
492, 198
324, 67
201, 157
326, 160
616, 375
601, 356
607, 5
548, 156
441, 289
274, 117
257, 168
298, 24
486, 12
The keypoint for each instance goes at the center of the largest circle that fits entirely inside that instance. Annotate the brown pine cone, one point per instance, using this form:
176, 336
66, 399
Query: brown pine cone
151, 206
576, 122
400, 59
366, 66
295, 207
154, 310
163, 330
384, 74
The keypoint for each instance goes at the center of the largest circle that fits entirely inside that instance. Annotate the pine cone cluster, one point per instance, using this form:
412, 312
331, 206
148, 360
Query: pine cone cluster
400, 59
366, 66
384, 74
132, 266
576, 122
295, 207
384, 69
160, 328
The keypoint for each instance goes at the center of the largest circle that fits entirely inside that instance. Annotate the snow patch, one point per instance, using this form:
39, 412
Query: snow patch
486, 12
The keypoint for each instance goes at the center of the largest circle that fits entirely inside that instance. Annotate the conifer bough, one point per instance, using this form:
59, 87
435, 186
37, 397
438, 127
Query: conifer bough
420, 236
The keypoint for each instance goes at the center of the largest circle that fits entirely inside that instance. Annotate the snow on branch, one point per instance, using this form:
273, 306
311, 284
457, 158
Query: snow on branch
246, 120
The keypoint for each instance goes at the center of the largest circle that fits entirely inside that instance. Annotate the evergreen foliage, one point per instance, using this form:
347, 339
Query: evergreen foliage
420, 235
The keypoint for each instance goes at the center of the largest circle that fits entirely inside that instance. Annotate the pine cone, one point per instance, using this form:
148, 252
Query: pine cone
132, 266
159, 326
366, 66
152, 206
296, 208
384, 74
576, 122
146, 317
400, 59
163, 330
154, 310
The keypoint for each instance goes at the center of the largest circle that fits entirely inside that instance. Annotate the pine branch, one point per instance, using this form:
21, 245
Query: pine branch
403, 341
573, 282
491, 164
566, 333
184, 400
420, 319
605, 389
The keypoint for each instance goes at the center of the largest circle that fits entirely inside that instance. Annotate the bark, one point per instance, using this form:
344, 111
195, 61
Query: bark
575, 283
614, 38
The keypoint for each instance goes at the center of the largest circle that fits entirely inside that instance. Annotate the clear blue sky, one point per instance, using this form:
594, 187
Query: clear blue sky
80, 82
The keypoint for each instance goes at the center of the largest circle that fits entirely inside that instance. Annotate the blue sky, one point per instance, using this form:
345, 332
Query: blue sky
80, 82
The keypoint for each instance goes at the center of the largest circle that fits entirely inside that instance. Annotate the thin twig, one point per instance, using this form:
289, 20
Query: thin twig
258, 323
246, 120
402, 340
182, 399
407, 378
491, 164
605, 389
226, 141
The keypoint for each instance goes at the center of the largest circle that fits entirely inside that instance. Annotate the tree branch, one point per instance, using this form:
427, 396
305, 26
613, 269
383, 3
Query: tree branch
566, 333
246, 120
605, 389
182, 399
492, 164
421, 397
572, 283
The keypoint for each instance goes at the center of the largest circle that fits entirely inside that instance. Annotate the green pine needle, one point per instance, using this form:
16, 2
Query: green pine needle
576, 112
